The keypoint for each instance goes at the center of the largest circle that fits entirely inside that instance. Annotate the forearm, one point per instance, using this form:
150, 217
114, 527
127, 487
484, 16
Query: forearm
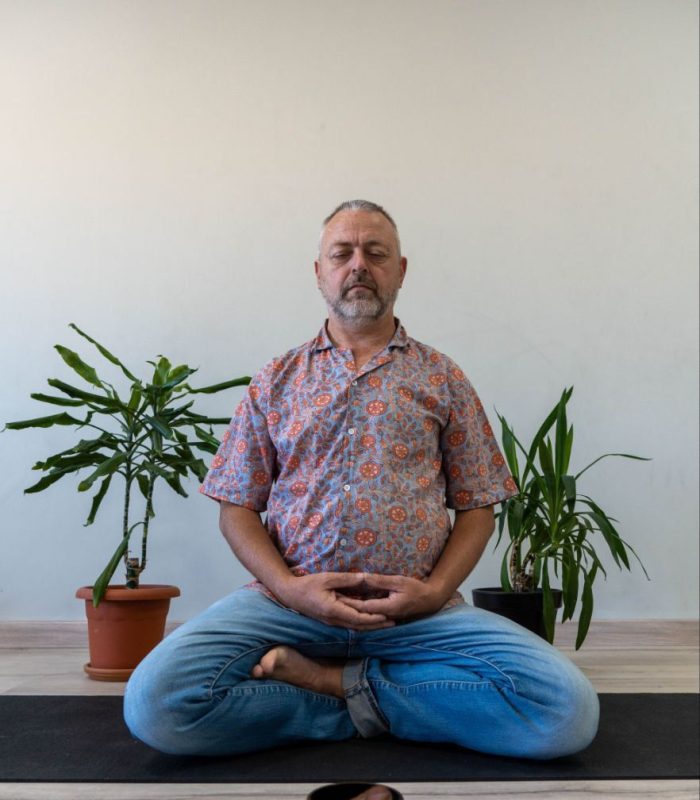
465, 546
253, 547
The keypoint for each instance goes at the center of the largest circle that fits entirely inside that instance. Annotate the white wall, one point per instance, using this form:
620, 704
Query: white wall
164, 167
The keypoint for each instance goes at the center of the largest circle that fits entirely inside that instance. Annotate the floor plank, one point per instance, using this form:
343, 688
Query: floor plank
505, 790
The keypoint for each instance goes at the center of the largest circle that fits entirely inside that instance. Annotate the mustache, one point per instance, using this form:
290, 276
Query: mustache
366, 284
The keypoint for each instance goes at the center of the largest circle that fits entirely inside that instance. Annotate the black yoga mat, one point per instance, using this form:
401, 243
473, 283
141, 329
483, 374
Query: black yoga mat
79, 738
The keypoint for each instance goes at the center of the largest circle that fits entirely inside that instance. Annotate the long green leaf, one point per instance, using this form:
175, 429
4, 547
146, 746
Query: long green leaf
161, 370
43, 422
177, 375
102, 582
188, 418
569, 484
199, 469
97, 500
586, 608
569, 582
46, 481
506, 584
244, 381
560, 440
173, 482
113, 359
110, 466
90, 397
56, 401
76, 363
548, 609
106, 440
611, 455
161, 426
547, 424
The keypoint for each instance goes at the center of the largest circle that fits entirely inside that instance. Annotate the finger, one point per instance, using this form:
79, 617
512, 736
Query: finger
353, 602
386, 606
351, 616
373, 606
384, 581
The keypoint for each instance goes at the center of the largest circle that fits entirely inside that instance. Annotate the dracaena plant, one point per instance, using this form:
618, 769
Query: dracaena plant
148, 433
554, 530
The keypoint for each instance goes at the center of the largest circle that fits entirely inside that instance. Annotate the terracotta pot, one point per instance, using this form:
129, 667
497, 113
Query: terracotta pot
124, 628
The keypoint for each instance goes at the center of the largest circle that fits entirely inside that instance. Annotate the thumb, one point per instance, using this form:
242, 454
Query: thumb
384, 581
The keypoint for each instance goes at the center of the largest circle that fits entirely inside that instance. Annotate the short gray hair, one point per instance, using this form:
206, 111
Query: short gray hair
361, 205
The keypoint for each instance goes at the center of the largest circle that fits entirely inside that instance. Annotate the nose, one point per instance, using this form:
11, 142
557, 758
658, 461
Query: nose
358, 263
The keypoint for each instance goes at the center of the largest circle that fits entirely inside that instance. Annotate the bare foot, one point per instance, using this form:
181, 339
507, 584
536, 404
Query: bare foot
285, 664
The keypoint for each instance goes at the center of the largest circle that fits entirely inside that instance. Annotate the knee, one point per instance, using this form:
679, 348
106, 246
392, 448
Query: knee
163, 711
150, 713
571, 721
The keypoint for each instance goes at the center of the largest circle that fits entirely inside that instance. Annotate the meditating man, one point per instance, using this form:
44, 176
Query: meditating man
355, 445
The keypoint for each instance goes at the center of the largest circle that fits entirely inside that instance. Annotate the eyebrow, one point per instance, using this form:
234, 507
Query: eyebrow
370, 243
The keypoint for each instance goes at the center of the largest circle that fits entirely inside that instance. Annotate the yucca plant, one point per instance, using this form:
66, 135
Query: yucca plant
146, 434
555, 531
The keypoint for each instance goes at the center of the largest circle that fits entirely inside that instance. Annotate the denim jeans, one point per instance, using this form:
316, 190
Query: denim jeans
463, 675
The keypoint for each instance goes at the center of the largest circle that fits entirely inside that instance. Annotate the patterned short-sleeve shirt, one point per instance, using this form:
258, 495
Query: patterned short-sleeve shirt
356, 468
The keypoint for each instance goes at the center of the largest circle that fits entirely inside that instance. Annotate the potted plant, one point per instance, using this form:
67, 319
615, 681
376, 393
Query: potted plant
554, 531
149, 433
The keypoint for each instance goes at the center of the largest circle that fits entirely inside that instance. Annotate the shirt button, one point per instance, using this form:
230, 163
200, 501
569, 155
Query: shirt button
351, 431
346, 488
343, 542
354, 383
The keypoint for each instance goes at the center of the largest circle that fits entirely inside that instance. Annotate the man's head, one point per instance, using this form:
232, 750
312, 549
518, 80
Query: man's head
359, 268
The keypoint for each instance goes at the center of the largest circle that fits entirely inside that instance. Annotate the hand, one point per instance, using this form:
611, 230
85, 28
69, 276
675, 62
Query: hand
316, 596
406, 597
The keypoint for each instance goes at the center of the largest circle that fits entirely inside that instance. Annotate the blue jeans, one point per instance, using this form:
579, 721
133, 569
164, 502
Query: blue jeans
463, 675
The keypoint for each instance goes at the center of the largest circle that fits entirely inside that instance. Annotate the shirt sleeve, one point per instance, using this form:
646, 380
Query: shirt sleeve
243, 469
475, 471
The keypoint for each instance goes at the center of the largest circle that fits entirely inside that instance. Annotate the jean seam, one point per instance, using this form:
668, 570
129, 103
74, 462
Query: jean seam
287, 689
425, 686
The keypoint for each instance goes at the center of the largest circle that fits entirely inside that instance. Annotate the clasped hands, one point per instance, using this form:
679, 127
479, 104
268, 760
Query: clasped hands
332, 597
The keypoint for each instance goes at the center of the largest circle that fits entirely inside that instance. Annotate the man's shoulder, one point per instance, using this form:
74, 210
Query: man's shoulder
432, 356
292, 360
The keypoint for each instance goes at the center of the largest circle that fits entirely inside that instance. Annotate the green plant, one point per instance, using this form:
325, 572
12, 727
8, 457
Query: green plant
149, 436
551, 526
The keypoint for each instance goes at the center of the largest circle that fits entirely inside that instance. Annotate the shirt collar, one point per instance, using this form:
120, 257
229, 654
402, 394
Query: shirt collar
323, 341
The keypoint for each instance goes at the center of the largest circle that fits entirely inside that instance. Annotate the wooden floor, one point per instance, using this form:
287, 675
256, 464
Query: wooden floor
656, 656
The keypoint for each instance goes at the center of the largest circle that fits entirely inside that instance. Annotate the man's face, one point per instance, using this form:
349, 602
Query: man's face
359, 270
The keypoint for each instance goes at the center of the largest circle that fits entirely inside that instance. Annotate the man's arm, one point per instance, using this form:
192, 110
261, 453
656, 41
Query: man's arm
311, 595
409, 597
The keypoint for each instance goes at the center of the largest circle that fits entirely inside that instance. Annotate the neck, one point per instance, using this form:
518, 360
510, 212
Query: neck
365, 338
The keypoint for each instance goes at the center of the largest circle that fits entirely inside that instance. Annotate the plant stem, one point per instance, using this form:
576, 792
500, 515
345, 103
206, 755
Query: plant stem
146, 521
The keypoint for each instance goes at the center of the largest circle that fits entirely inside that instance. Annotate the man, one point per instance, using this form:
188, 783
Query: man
355, 445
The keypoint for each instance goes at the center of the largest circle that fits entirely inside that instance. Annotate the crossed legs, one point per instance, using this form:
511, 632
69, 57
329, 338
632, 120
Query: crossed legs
248, 674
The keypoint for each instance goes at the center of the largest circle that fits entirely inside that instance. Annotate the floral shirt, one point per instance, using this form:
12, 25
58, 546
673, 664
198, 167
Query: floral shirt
357, 468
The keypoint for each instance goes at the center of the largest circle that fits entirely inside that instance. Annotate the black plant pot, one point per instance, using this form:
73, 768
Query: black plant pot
525, 608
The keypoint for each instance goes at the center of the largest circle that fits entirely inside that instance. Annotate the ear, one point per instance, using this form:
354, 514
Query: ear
317, 270
403, 264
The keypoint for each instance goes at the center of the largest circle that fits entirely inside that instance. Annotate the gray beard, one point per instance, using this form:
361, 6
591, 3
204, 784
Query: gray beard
360, 308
